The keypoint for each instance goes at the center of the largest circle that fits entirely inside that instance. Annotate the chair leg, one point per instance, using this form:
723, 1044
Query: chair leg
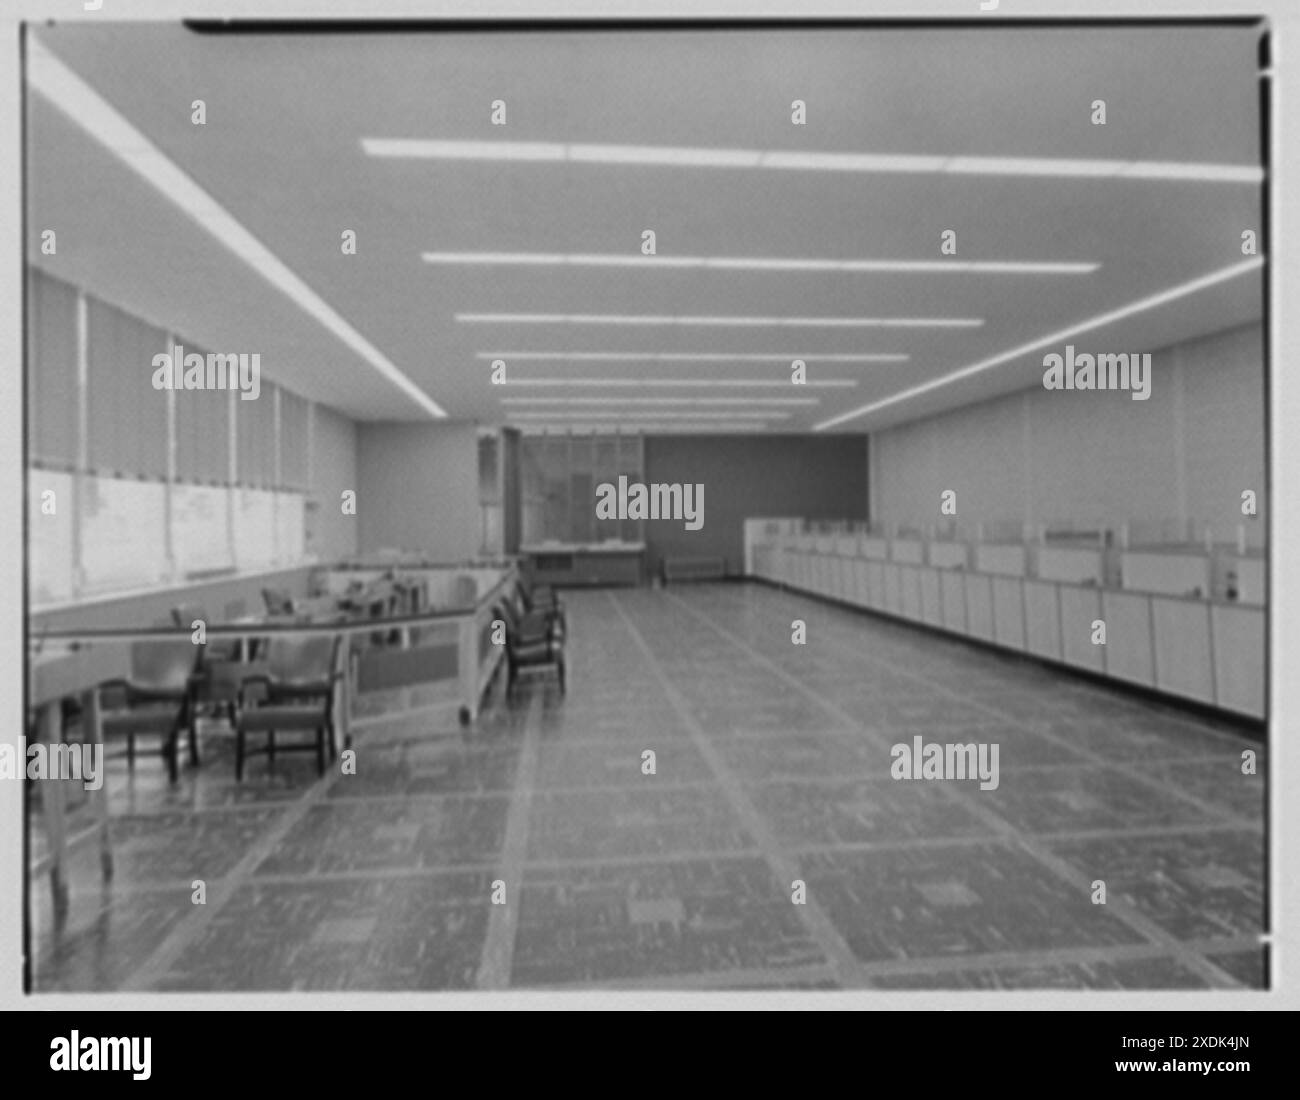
239, 754
320, 750
194, 744
171, 750
559, 672
130, 751
270, 746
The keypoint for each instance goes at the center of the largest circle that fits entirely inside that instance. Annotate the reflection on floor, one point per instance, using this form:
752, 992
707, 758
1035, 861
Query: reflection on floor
772, 765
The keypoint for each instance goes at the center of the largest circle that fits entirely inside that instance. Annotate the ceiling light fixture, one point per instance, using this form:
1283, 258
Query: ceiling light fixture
660, 414
623, 428
739, 322
746, 263
661, 401
686, 357
674, 383
665, 156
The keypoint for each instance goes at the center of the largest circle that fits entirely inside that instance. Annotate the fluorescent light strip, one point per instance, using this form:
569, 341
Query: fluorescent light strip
685, 357
84, 106
778, 322
696, 157
1163, 298
611, 428
662, 414
773, 383
661, 401
743, 263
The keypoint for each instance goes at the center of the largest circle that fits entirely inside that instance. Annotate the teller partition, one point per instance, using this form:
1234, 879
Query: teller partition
1167, 627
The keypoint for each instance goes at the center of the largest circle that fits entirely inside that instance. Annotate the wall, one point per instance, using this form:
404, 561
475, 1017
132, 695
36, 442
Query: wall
418, 488
1040, 456
511, 491
743, 476
331, 469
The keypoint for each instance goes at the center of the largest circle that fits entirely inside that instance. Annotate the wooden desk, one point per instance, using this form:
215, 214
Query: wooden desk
57, 672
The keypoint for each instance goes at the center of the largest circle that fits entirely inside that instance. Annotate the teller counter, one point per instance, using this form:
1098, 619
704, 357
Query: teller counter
1172, 641
569, 565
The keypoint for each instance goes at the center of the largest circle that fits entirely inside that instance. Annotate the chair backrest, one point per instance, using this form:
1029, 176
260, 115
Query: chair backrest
463, 591
301, 657
409, 591
515, 602
506, 612
186, 613
527, 597
164, 664
277, 601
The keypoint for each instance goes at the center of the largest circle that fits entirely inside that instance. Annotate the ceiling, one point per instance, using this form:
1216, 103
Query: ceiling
282, 152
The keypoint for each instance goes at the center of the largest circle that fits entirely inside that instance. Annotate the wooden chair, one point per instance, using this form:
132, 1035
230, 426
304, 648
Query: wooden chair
211, 697
278, 601
222, 649
540, 606
530, 647
157, 698
297, 694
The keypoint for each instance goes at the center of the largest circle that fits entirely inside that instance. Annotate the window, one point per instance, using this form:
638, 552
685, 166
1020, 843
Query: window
254, 529
202, 435
137, 513
123, 533
126, 421
201, 528
560, 474
290, 525
50, 550
53, 402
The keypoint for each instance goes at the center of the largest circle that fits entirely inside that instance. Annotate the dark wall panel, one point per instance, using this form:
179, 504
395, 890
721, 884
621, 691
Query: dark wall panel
743, 476
511, 495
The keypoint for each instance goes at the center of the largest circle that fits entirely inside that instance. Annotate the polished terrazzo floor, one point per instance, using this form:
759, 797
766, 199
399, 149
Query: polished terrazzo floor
772, 765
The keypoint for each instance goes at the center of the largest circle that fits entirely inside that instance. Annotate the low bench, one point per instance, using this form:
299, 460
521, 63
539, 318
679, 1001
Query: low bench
694, 569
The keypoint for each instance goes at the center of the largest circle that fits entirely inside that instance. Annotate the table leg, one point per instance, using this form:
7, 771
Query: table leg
53, 807
92, 734
340, 731
467, 668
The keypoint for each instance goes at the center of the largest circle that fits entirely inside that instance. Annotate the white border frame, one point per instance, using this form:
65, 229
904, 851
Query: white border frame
1284, 410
